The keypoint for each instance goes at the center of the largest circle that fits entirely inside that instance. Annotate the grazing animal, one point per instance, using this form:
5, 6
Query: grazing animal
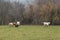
46, 23
11, 23
17, 24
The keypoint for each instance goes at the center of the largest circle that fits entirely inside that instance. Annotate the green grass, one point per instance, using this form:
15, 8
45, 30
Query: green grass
30, 32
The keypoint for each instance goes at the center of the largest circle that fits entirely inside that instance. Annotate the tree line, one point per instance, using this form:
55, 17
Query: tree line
35, 12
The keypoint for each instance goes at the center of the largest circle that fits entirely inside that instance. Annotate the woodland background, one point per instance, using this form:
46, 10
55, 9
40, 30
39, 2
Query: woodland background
36, 12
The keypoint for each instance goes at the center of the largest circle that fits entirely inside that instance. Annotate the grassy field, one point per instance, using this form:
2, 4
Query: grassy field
30, 32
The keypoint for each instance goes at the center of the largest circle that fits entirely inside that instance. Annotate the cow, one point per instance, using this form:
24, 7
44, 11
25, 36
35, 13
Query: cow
46, 23
17, 24
11, 24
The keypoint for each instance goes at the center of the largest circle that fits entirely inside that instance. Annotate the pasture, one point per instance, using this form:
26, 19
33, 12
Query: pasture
30, 32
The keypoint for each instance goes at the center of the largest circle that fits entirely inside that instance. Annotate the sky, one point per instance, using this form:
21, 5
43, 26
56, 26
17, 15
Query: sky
22, 1
19, 0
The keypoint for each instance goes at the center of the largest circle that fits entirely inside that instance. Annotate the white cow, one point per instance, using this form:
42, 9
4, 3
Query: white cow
18, 23
46, 23
11, 23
